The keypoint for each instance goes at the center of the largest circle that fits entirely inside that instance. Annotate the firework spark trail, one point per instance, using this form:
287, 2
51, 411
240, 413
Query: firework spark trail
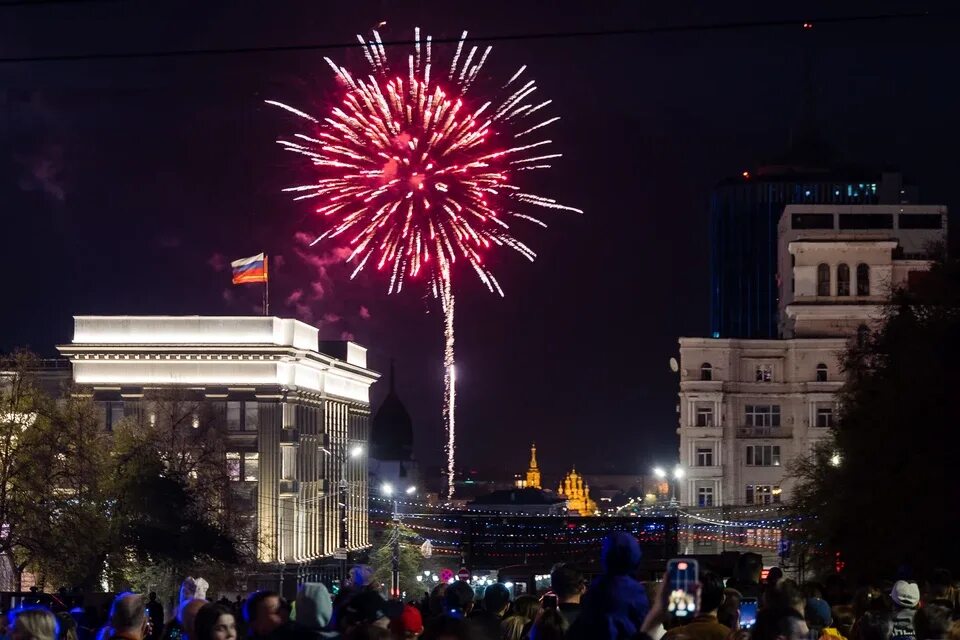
415, 177
449, 384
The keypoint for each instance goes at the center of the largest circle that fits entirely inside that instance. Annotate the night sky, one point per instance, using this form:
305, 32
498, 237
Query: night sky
126, 185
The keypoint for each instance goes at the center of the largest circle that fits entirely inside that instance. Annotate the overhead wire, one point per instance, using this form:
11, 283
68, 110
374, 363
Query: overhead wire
546, 35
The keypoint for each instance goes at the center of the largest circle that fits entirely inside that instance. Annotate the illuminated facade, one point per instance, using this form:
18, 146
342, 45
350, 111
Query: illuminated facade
577, 494
749, 407
533, 471
293, 407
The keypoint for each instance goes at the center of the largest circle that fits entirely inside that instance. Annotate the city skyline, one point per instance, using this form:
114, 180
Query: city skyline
131, 198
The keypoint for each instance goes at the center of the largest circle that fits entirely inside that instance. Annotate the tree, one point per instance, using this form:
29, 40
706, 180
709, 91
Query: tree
177, 510
381, 560
28, 455
879, 496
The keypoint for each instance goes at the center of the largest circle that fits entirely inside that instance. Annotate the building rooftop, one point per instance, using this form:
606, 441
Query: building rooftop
527, 496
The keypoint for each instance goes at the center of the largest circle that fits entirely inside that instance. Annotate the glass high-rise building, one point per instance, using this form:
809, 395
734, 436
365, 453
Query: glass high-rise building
744, 213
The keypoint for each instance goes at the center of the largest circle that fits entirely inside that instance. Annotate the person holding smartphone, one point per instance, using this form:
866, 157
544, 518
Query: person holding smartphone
704, 625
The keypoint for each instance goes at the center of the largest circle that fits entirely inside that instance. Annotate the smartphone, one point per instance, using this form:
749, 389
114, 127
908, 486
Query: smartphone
549, 601
748, 613
682, 582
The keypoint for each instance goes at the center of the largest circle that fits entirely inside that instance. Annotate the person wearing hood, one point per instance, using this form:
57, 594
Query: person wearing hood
314, 609
906, 599
616, 603
819, 618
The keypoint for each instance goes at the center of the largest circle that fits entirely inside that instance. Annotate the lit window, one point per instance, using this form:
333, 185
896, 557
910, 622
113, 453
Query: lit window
706, 371
762, 494
762, 456
705, 496
821, 372
251, 467
704, 457
764, 373
704, 417
233, 465
863, 279
823, 279
824, 417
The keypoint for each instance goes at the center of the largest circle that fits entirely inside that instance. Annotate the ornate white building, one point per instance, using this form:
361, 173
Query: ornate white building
749, 407
293, 408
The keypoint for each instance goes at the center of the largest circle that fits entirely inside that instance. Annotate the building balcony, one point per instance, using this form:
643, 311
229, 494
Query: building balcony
763, 432
289, 488
700, 472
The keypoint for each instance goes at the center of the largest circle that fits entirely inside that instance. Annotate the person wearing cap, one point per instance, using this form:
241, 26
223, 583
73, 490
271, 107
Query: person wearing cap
906, 598
820, 620
408, 625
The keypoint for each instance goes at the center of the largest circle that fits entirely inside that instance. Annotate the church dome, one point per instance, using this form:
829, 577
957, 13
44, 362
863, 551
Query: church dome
391, 433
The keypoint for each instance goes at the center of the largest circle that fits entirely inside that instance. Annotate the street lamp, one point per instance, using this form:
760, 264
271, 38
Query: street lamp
678, 474
343, 456
389, 491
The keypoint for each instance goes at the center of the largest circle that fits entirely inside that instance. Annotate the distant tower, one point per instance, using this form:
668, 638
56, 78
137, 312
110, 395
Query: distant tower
391, 441
577, 493
533, 471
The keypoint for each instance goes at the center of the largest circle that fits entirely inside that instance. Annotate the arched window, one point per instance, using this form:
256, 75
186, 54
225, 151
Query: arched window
863, 279
843, 280
823, 280
863, 334
821, 372
706, 371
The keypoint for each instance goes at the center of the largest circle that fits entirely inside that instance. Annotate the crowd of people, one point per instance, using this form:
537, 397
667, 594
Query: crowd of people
616, 605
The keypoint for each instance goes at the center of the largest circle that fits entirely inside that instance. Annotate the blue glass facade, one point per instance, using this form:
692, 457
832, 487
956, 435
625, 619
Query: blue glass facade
744, 213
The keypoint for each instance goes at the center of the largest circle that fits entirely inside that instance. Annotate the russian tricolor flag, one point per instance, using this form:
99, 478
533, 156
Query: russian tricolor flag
252, 269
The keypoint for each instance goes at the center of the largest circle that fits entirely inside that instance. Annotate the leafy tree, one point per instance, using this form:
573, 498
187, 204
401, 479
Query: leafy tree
178, 511
381, 560
879, 497
28, 453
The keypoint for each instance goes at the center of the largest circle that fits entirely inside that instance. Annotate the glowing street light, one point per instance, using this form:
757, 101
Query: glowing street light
411, 490
659, 472
386, 489
356, 451
678, 473
835, 459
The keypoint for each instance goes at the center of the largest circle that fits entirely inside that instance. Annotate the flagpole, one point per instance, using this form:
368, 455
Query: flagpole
266, 288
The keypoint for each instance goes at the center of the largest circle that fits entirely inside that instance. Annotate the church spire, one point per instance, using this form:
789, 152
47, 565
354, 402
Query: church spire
533, 471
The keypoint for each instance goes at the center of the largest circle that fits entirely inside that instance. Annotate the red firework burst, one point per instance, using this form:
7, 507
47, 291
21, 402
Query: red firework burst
414, 175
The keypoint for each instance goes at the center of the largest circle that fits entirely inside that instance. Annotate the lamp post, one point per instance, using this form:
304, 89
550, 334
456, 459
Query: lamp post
344, 456
677, 475
388, 490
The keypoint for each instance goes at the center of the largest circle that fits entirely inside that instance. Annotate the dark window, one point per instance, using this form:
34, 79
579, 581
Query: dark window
843, 280
863, 279
821, 372
812, 221
866, 221
233, 415
706, 371
824, 417
921, 221
823, 280
705, 497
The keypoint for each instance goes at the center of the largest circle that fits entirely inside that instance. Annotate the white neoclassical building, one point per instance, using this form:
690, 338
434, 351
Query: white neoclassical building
293, 407
749, 407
